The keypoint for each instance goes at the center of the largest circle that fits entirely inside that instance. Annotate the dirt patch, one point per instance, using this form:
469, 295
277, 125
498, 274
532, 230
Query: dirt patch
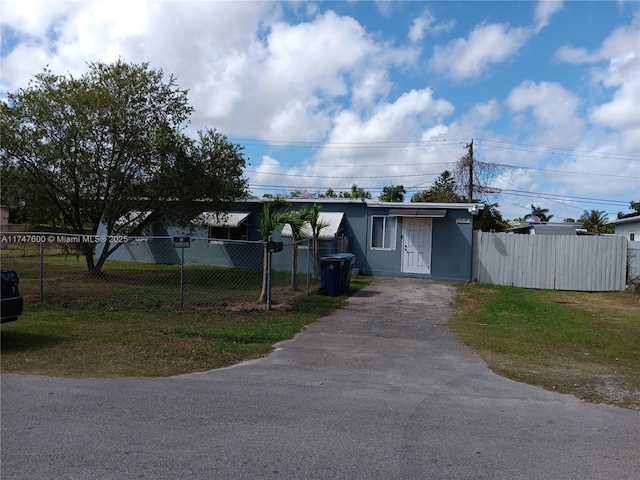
257, 306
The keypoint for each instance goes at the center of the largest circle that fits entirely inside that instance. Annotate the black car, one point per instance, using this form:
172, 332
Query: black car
11, 302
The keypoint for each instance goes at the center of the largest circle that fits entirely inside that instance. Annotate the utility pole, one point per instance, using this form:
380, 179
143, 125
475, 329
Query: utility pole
470, 147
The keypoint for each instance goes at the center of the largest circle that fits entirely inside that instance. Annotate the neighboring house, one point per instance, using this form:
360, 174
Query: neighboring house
546, 228
628, 226
6, 227
430, 240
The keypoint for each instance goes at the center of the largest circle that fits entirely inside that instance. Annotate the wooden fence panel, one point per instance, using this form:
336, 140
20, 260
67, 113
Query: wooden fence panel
554, 262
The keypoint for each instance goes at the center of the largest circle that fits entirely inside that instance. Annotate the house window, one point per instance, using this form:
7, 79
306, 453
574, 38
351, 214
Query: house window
383, 233
228, 233
632, 236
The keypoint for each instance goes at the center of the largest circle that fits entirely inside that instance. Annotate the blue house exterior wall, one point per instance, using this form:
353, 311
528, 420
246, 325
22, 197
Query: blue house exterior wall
451, 242
451, 255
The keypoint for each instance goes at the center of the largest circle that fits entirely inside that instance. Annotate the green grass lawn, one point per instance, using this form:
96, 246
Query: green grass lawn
129, 321
586, 344
98, 341
142, 285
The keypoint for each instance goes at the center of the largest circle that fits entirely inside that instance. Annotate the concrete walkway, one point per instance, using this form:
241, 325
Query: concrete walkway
378, 390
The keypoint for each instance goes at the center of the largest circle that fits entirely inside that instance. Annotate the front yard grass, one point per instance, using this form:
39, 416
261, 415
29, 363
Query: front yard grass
129, 323
585, 344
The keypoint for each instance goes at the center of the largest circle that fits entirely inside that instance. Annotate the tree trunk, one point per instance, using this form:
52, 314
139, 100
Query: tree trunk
294, 266
87, 250
263, 293
315, 257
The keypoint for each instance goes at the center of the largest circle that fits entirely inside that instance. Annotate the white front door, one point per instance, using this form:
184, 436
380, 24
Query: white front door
416, 244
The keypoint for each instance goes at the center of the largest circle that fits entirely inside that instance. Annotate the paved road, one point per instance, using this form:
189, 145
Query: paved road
378, 390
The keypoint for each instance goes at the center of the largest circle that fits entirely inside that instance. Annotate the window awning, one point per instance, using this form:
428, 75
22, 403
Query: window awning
214, 219
333, 221
417, 212
132, 219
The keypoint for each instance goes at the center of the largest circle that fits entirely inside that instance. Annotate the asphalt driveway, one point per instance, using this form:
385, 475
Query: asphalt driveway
379, 390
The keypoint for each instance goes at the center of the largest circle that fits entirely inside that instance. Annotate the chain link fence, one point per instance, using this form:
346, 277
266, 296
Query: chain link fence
154, 272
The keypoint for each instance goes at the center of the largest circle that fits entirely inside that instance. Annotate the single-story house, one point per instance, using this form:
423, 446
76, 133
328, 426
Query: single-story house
628, 226
546, 228
430, 240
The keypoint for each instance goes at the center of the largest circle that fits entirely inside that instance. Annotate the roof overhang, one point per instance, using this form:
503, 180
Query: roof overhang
554, 230
221, 219
332, 220
418, 212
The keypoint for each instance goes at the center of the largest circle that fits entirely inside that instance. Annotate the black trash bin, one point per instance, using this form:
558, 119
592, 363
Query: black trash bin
349, 259
335, 273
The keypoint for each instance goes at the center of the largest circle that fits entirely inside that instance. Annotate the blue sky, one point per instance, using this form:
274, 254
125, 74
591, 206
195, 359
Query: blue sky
328, 94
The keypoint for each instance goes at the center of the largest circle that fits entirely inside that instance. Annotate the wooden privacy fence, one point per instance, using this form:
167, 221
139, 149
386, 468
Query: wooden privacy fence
553, 262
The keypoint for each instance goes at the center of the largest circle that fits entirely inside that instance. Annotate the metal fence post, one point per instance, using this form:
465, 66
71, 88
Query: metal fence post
41, 267
309, 253
182, 279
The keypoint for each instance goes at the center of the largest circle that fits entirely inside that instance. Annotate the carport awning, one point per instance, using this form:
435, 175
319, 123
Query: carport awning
417, 212
214, 219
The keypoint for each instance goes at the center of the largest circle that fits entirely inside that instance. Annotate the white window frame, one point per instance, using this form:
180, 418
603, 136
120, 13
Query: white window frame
388, 222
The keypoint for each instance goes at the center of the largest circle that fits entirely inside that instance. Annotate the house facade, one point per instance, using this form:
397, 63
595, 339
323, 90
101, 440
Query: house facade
428, 240
628, 226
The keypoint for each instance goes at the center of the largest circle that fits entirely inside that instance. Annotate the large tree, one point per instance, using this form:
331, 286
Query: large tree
108, 148
490, 219
26, 203
443, 190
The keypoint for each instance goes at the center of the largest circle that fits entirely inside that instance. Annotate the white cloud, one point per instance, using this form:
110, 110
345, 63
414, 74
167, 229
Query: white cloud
554, 111
621, 52
427, 23
481, 114
391, 121
486, 45
34, 19
544, 10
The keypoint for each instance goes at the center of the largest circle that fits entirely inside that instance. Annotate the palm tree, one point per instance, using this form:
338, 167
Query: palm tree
356, 192
269, 221
595, 221
393, 193
540, 213
312, 216
295, 220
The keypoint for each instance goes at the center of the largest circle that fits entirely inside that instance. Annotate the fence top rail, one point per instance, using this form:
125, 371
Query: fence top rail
53, 237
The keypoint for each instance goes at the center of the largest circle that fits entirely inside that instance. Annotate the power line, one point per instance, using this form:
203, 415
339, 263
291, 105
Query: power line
516, 192
488, 143
557, 150
515, 167
342, 176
